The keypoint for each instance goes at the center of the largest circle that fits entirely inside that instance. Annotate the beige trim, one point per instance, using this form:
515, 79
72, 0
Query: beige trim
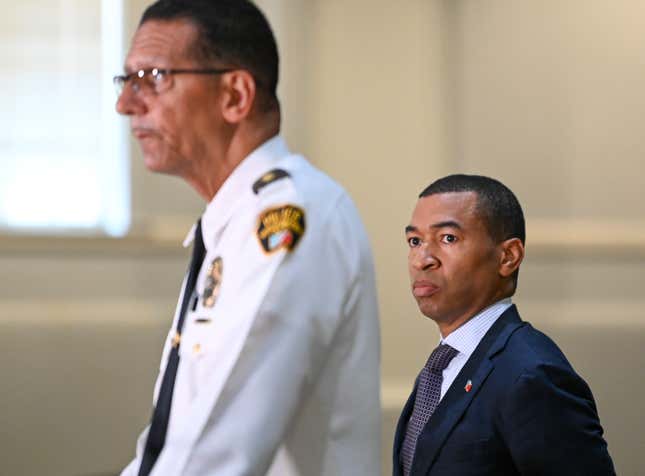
609, 237
165, 235
89, 312
591, 314
394, 392
148, 244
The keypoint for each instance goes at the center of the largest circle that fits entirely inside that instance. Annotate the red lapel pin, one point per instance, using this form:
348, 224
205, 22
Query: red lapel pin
469, 386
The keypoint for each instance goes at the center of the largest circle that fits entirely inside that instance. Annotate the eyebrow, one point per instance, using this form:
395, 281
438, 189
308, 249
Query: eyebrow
447, 224
441, 224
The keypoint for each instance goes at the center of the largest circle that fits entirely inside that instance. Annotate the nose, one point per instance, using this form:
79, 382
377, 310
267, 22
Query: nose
129, 103
423, 258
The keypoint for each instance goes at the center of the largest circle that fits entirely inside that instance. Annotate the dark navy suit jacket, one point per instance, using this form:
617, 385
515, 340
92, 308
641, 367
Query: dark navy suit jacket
526, 413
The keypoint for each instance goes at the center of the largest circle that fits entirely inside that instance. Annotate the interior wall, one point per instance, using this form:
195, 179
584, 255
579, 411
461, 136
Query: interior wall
385, 97
548, 99
374, 112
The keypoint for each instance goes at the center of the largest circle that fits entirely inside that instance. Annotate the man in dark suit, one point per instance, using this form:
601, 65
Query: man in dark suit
496, 397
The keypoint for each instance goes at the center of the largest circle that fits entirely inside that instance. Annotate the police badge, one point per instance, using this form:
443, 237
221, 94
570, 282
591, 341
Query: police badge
213, 282
281, 228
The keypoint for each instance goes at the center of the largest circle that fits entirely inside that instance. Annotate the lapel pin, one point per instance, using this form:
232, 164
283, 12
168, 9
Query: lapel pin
469, 386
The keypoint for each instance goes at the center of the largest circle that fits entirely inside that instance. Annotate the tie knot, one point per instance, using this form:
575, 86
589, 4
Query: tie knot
440, 358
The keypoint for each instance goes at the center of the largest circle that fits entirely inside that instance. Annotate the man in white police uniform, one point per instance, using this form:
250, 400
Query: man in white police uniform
271, 363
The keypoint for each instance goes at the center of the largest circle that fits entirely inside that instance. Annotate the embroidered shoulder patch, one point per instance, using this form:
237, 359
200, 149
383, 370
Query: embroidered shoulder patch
269, 177
281, 227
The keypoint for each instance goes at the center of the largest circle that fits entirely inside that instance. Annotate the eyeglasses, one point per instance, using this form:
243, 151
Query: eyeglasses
156, 80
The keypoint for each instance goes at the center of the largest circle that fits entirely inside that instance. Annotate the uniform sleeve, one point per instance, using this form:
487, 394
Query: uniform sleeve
551, 425
274, 324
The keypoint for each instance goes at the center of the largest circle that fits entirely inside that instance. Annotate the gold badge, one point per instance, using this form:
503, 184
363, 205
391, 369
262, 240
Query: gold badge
213, 282
281, 227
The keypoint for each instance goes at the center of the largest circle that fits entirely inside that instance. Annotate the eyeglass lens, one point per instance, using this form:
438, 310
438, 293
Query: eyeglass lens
144, 80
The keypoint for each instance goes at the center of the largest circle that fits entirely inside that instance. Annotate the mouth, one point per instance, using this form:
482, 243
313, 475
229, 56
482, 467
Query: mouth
424, 289
141, 133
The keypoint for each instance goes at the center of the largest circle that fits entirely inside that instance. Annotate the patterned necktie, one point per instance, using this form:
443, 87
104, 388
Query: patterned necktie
426, 400
161, 413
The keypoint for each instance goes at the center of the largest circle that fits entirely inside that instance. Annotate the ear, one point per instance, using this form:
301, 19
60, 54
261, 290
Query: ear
511, 257
238, 102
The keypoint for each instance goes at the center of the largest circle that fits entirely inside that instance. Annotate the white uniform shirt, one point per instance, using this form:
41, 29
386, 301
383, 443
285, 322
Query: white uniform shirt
467, 337
281, 375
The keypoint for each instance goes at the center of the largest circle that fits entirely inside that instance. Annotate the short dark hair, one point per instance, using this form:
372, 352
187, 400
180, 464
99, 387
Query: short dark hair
498, 206
233, 32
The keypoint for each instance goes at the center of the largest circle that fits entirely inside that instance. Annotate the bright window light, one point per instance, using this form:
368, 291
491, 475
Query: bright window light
63, 149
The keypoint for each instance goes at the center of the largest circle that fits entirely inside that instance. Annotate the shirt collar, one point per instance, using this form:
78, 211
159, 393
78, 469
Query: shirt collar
237, 186
467, 337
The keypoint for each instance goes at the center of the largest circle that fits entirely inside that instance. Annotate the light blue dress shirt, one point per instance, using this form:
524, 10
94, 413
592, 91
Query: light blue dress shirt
467, 337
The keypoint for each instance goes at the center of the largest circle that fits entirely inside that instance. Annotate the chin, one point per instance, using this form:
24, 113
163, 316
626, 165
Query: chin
153, 166
153, 158
428, 311
157, 164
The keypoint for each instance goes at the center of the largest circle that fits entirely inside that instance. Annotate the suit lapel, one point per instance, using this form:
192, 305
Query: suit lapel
401, 427
457, 399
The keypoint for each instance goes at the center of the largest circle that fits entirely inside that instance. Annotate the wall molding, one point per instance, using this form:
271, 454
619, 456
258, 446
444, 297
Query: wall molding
608, 237
86, 312
575, 312
118, 310
166, 234
150, 314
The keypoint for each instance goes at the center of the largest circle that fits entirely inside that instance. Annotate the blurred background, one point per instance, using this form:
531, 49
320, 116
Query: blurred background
547, 96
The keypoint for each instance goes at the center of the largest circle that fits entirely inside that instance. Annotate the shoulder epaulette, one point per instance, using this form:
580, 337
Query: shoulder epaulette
269, 177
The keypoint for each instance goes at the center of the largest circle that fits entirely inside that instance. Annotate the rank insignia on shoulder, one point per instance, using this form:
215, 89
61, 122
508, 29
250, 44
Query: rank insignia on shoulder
269, 177
281, 227
213, 282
